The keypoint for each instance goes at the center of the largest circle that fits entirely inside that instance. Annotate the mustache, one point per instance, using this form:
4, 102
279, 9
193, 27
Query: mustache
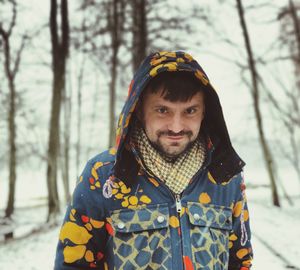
174, 134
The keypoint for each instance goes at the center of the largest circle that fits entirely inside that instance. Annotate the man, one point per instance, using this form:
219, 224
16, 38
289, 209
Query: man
170, 195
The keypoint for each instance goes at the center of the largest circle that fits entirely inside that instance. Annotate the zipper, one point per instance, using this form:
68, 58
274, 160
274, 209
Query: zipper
178, 203
178, 210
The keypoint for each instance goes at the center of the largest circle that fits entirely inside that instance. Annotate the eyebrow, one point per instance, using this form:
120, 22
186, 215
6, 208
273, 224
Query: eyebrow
193, 106
158, 106
166, 106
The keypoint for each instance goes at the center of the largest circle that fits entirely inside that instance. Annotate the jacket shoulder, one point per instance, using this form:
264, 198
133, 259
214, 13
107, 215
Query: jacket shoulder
96, 171
106, 157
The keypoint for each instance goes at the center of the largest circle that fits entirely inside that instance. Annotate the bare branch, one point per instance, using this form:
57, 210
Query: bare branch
3, 33
14, 16
18, 56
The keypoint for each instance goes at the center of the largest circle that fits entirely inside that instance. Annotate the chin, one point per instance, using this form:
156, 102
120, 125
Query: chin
174, 153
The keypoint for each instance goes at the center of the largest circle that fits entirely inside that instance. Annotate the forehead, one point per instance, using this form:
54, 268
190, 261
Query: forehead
157, 99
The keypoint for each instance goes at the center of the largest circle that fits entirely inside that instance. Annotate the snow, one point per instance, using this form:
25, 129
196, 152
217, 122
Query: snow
31, 253
35, 251
275, 236
275, 231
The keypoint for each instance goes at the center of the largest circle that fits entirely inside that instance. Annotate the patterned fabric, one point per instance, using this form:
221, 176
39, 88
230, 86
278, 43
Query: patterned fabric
175, 173
209, 235
142, 238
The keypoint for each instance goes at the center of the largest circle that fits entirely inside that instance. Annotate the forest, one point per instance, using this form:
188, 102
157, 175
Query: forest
65, 69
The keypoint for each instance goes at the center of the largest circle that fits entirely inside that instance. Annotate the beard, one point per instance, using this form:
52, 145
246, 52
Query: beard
174, 149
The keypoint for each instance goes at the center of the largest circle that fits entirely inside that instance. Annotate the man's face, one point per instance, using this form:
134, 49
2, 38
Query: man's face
172, 126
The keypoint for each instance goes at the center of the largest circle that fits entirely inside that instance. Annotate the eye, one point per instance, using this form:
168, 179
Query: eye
162, 110
191, 110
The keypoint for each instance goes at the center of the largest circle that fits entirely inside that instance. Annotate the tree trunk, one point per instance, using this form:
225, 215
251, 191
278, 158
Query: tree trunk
12, 150
66, 145
295, 20
255, 95
59, 56
67, 100
10, 74
296, 28
294, 157
79, 97
139, 32
292, 128
115, 25
12, 136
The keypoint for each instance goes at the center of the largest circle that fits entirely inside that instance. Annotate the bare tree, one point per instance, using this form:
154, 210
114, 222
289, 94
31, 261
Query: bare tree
256, 102
116, 20
290, 37
65, 146
11, 68
154, 28
60, 47
139, 32
102, 38
296, 26
79, 105
289, 112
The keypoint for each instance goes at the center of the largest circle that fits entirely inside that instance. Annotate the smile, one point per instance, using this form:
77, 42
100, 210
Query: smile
175, 138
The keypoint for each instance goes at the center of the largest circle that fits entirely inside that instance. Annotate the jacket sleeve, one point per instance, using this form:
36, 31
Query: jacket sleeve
240, 249
83, 235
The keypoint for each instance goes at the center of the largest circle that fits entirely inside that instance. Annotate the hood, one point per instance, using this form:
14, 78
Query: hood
224, 161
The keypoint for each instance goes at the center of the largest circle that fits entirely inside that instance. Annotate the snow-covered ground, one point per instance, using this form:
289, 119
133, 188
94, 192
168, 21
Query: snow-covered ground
275, 232
32, 252
275, 237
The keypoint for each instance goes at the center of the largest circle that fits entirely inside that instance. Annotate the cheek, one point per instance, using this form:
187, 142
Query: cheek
154, 127
149, 126
153, 123
195, 125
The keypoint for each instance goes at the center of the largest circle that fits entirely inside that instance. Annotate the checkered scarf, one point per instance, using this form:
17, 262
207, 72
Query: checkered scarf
175, 173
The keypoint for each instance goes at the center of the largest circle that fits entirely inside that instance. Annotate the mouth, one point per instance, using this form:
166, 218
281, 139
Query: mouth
175, 138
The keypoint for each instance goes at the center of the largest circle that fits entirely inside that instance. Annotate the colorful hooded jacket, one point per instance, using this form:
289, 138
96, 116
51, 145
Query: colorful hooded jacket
121, 217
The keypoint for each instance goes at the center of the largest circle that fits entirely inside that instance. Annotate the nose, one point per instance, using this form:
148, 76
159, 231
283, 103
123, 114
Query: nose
176, 124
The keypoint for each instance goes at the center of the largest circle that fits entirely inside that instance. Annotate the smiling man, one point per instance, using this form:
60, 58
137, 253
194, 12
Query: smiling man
170, 194
172, 112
